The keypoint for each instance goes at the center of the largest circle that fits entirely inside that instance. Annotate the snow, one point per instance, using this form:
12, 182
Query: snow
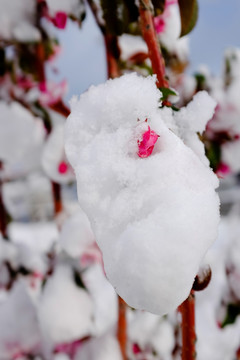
231, 154
54, 160
212, 341
131, 45
193, 119
76, 234
160, 211
22, 335
65, 310
102, 348
168, 25
17, 19
104, 299
39, 236
30, 198
19, 127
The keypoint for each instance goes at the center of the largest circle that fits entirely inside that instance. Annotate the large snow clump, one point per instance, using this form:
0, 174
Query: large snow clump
154, 217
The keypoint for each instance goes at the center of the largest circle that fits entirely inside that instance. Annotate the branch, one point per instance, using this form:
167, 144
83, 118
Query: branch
150, 37
187, 310
122, 327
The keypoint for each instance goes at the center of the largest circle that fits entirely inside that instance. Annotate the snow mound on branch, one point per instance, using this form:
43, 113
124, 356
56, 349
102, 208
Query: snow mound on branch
17, 19
54, 160
76, 235
155, 217
104, 298
20, 128
102, 348
65, 310
23, 335
193, 119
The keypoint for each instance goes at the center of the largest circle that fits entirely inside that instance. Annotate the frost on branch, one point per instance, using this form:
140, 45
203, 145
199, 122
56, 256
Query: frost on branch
155, 217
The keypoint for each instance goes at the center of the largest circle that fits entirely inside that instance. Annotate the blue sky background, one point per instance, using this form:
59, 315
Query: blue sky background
82, 60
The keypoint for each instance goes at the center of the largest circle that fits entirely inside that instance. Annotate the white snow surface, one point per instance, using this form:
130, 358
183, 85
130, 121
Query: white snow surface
131, 45
19, 331
65, 310
17, 19
104, 299
54, 154
193, 119
102, 348
19, 127
29, 198
154, 218
76, 234
172, 29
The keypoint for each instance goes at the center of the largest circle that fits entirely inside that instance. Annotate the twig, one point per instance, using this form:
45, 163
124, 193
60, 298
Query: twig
56, 188
3, 213
187, 310
122, 327
150, 36
112, 54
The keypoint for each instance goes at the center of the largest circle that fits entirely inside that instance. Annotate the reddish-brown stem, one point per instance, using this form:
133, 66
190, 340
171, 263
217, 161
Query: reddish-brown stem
56, 188
60, 108
3, 214
56, 191
150, 37
40, 62
187, 310
112, 53
122, 327
238, 354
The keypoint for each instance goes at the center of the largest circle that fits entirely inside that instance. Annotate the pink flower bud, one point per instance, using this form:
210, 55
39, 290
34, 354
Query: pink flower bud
63, 167
60, 20
146, 144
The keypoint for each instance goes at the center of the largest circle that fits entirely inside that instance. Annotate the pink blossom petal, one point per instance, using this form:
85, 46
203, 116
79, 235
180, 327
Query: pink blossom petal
223, 169
146, 145
63, 167
159, 24
42, 86
60, 20
68, 348
136, 349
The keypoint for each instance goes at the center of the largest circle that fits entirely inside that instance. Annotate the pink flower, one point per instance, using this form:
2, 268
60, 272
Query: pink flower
51, 93
68, 348
91, 255
62, 167
159, 24
146, 144
136, 349
24, 82
160, 20
223, 170
60, 20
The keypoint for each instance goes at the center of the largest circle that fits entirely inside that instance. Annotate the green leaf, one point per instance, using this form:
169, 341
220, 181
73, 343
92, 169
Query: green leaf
201, 81
213, 153
189, 15
233, 310
166, 92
